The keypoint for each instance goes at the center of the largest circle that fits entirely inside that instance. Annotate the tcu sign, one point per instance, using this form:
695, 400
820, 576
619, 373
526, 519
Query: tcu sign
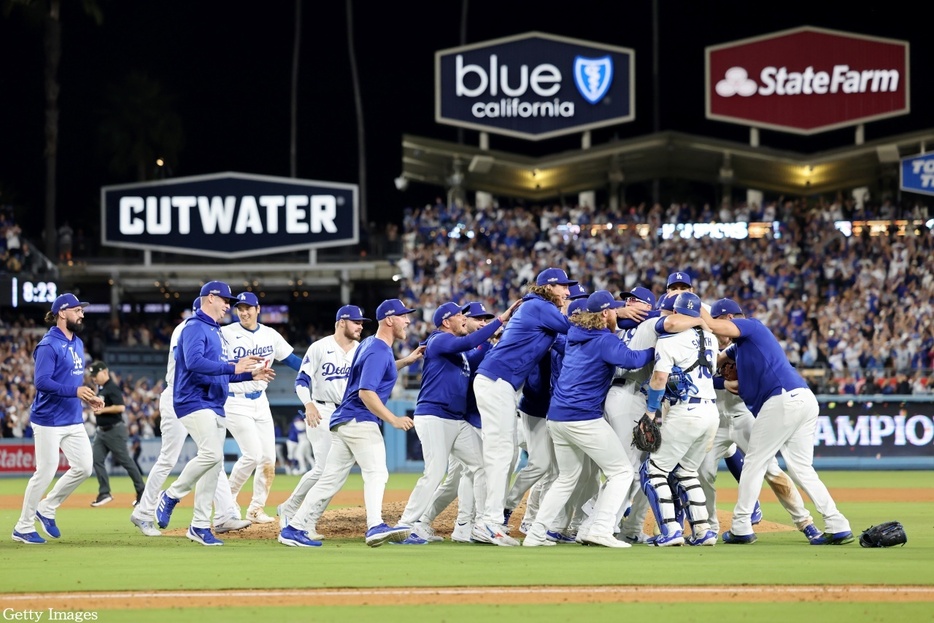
917, 174
807, 80
229, 215
534, 86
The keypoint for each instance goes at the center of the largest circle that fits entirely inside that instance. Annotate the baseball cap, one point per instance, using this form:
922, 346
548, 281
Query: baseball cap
196, 305
602, 299
66, 301
351, 312
218, 288
687, 303
447, 310
684, 278
577, 292
392, 307
577, 305
643, 294
667, 302
477, 310
247, 298
723, 307
554, 276
96, 367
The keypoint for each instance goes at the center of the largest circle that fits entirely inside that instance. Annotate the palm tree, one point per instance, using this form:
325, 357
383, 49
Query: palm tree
48, 12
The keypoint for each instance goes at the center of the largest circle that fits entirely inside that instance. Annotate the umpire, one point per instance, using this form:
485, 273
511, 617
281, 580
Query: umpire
111, 436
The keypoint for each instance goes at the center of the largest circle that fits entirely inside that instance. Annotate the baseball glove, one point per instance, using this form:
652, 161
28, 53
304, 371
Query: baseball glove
728, 371
646, 434
885, 534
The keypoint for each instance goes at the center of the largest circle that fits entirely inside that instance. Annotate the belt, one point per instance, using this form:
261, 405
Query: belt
694, 400
619, 382
250, 396
107, 427
324, 402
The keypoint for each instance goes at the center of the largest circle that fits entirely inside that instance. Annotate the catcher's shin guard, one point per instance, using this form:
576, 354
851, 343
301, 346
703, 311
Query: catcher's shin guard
691, 495
735, 463
656, 489
679, 498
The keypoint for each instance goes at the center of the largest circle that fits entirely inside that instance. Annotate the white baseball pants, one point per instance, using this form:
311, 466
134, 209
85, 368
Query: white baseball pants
250, 423
208, 432
320, 438
541, 463
496, 401
624, 406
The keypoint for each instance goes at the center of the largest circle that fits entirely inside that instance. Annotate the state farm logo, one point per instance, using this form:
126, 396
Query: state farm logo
807, 80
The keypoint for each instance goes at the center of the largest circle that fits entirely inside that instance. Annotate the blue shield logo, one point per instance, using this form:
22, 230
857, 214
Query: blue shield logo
593, 77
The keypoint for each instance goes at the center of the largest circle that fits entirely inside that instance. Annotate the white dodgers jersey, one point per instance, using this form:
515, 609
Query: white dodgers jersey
263, 342
681, 349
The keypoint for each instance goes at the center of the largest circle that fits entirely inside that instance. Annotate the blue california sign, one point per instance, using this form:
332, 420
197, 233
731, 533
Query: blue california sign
229, 215
534, 86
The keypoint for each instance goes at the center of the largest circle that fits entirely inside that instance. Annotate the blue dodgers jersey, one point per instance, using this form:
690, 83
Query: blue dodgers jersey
528, 335
590, 361
762, 367
373, 368
446, 372
202, 371
58, 375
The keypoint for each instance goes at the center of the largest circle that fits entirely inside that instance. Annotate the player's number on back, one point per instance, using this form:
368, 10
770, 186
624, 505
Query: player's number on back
704, 372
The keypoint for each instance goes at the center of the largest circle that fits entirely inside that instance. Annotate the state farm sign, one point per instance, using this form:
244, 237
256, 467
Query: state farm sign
534, 86
807, 80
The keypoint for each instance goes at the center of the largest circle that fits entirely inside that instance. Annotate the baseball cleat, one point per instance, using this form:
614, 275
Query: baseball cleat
296, 538
709, 538
231, 525
738, 539
534, 541
834, 538
756, 516
412, 539
559, 537
103, 498
604, 540
146, 527
29, 538
495, 535
426, 532
378, 535
48, 526
507, 513
164, 510
811, 532
258, 515
675, 539
204, 536
636, 539
461, 532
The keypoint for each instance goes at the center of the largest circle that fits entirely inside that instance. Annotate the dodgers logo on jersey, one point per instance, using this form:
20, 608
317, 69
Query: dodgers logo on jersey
593, 77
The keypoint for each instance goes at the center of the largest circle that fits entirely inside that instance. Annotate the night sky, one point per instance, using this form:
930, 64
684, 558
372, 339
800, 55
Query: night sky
229, 66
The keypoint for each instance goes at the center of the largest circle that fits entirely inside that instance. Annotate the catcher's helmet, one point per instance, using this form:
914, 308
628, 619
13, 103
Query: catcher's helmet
687, 303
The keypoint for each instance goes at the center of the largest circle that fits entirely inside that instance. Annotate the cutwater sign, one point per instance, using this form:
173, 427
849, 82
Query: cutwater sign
229, 215
534, 86
917, 174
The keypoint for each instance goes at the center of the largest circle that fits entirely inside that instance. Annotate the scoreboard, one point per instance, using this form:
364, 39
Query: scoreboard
19, 291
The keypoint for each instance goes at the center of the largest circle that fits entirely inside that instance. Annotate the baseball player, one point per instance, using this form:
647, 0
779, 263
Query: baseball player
575, 421
686, 358
732, 438
441, 409
248, 417
226, 516
356, 434
57, 420
298, 447
320, 386
529, 335
203, 373
786, 415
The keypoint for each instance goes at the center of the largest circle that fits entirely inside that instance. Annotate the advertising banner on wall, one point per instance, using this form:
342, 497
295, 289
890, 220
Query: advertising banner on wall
917, 174
866, 429
535, 86
807, 80
230, 215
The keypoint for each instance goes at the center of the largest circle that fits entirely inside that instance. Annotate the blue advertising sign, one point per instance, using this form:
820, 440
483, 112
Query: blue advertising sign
917, 174
229, 215
535, 86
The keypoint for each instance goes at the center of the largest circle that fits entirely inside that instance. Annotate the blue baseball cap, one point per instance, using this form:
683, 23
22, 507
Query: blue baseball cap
726, 306
554, 276
392, 307
577, 292
247, 298
218, 288
477, 310
350, 312
687, 303
667, 302
602, 299
577, 306
643, 294
67, 301
447, 310
196, 304
684, 278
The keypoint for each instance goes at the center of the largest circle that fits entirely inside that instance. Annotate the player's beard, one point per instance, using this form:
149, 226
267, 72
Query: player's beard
74, 327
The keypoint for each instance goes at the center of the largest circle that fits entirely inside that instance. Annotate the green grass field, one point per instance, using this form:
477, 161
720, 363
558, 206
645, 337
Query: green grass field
101, 551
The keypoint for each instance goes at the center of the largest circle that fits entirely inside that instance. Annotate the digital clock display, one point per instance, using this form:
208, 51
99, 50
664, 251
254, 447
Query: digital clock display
32, 292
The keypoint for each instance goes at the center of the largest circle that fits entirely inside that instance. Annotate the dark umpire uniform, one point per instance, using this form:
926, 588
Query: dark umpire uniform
111, 436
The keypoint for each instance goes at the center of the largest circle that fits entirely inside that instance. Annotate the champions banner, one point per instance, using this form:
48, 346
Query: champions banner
877, 430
